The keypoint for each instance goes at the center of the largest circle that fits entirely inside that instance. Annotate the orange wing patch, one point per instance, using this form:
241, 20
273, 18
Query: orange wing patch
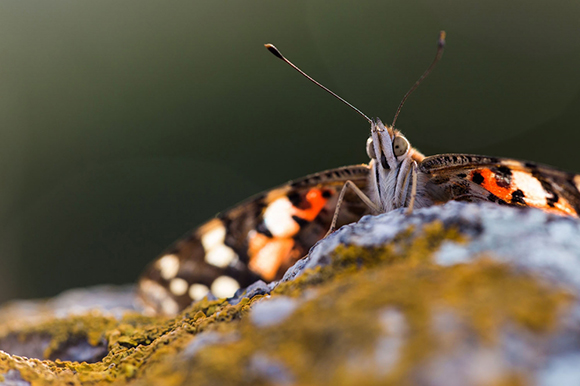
493, 183
517, 187
268, 254
282, 219
316, 199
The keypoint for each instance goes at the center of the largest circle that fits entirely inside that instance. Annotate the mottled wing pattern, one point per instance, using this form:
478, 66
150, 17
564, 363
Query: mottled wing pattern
257, 239
465, 177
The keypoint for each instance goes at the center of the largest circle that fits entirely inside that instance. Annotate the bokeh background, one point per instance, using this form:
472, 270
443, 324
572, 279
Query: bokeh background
125, 124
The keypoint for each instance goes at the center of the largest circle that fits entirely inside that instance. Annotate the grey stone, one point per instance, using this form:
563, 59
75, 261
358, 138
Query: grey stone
13, 378
273, 371
255, 289
108, 299
269, 312
204, 339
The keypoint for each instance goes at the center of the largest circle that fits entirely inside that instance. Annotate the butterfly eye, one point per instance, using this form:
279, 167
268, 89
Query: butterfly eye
371, 149
400, 146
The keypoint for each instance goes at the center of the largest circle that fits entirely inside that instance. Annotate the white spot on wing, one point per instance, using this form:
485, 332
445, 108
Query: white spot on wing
224, 287
169, 307
168, 266
532, 188
214, 237
156, 297
278, 218
178, 286
152, 289
216, 252
198, 291
220, 256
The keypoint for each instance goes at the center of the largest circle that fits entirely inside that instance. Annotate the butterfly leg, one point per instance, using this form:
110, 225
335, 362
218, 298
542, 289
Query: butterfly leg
413, 188
364, 198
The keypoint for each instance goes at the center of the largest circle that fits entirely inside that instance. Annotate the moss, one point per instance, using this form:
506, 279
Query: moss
336, 324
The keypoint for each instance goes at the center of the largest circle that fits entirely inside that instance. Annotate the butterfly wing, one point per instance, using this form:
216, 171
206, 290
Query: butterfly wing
257, 239
465, 177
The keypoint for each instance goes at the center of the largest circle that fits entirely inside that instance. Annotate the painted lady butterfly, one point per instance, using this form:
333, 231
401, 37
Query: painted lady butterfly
265, 235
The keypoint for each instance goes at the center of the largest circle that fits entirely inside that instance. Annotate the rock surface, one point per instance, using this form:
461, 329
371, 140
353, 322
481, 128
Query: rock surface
460, 294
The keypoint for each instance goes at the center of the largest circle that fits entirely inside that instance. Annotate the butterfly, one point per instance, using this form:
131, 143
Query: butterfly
263, 236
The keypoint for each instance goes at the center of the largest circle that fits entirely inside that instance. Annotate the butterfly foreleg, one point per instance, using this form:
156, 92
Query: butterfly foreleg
413, 188
364, 198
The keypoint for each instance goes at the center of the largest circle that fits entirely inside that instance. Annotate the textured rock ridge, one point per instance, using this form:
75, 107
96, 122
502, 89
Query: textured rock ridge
459, 294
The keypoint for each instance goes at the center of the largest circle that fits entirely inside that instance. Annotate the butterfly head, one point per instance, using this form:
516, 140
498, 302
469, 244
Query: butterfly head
386, 146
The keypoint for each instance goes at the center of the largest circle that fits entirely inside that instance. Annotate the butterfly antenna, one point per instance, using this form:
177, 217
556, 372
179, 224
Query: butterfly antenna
279, 55
440, 46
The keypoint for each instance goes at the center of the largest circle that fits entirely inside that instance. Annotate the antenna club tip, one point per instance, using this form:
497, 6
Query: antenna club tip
441, 41
273, 50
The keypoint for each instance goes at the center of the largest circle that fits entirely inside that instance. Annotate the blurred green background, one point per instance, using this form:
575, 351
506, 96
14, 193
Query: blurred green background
124, 124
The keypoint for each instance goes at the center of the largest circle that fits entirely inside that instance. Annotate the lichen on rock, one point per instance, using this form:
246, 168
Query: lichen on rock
459, 294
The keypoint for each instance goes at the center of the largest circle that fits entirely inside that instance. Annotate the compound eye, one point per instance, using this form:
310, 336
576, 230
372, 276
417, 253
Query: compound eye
371, 149
400, 146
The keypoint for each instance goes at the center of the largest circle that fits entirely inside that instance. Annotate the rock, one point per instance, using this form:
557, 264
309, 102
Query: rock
258, 288
33, 328
13, 378
270, 370
272, 312
459, 294
113, 300
204, 339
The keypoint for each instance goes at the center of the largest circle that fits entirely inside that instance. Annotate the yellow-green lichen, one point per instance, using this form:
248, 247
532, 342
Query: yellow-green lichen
350, 259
